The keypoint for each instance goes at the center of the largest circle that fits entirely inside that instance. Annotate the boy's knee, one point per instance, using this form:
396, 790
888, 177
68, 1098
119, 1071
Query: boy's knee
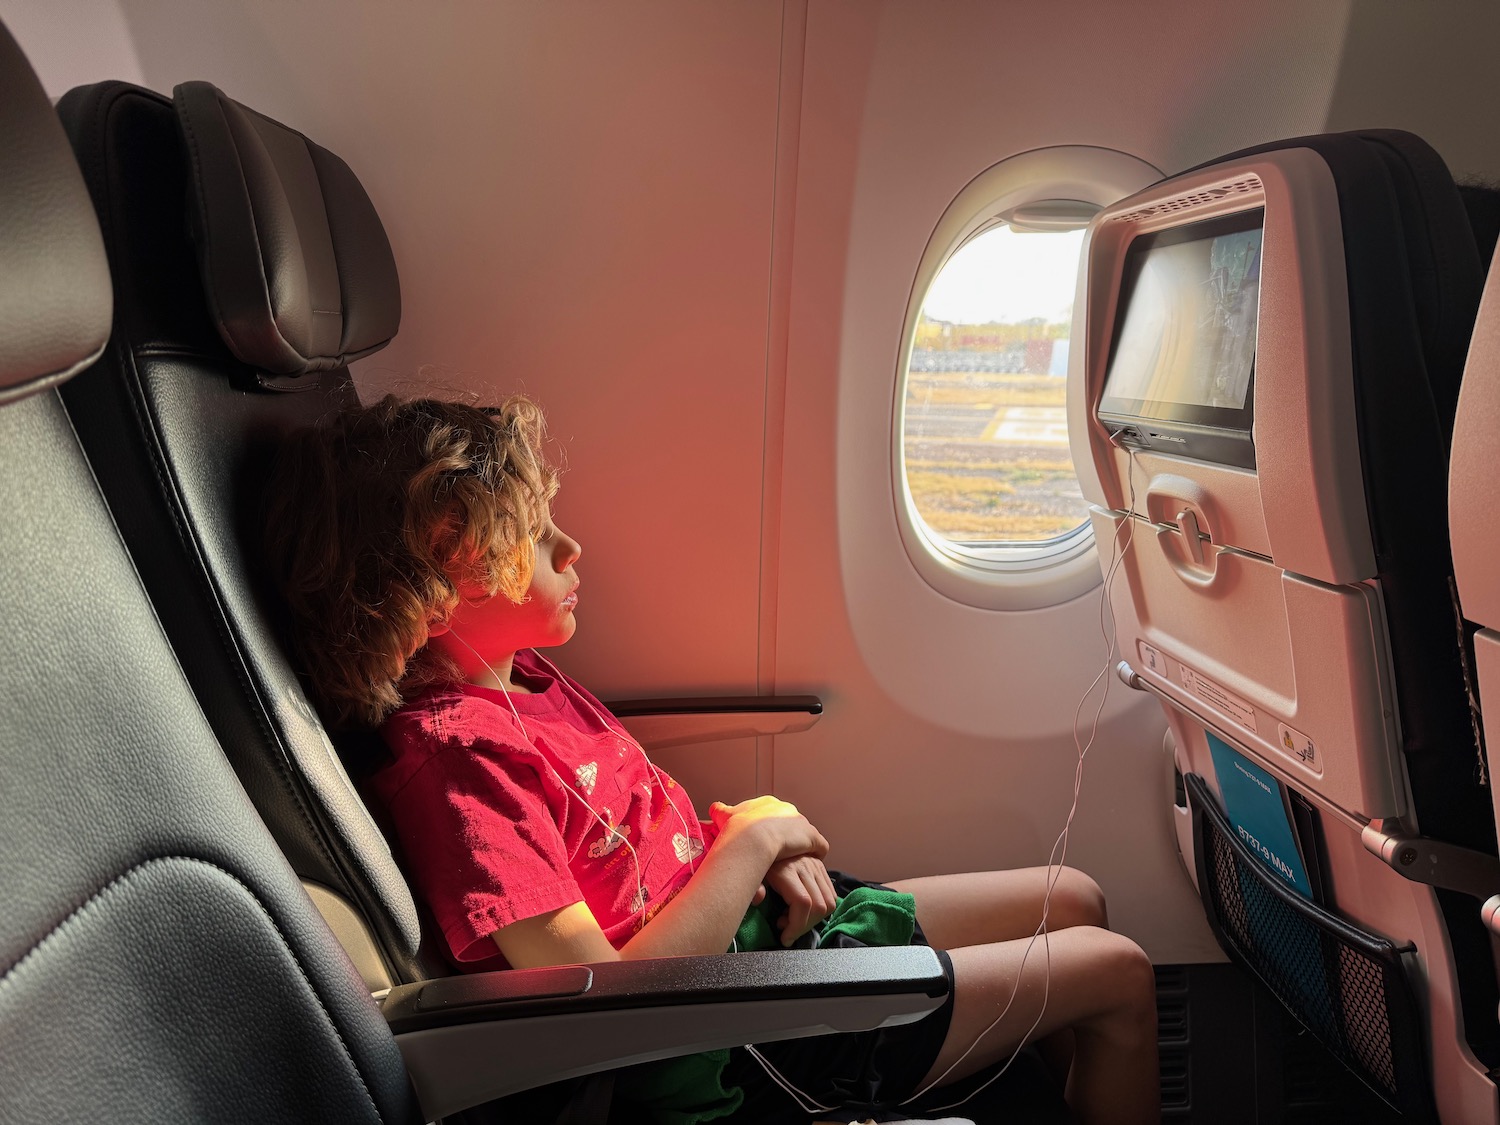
1120, 987
1076, 901
1133, 976
1121, 972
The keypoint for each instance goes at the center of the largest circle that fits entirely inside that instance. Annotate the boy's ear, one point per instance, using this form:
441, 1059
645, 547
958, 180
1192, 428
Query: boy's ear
436, 629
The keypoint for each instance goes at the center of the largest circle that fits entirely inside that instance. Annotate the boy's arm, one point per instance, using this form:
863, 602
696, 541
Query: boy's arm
704, 916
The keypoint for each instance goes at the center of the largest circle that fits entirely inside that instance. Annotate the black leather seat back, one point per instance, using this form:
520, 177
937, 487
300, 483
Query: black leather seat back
158, 959
299, 278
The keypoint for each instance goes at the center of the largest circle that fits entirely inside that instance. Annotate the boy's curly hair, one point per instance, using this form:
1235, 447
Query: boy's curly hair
377, 516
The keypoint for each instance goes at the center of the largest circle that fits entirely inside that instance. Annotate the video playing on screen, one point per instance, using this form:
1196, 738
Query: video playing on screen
1188, 333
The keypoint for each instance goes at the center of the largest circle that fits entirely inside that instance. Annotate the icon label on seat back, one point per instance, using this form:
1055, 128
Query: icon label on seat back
1299, 746
1219, 698
1151, 660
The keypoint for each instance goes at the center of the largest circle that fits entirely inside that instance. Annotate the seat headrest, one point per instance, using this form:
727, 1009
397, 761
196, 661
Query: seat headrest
296, 266
55, 297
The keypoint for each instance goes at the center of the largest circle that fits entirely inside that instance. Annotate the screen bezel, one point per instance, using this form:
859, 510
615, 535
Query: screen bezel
1192, 414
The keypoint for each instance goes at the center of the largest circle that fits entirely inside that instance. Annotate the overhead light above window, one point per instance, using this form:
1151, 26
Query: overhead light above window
1049, 216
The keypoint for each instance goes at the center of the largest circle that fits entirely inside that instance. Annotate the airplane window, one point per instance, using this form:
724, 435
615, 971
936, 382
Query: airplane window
988, 504
986, 436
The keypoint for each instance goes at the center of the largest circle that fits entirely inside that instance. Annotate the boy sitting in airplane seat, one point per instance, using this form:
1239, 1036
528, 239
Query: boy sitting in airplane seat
415, 546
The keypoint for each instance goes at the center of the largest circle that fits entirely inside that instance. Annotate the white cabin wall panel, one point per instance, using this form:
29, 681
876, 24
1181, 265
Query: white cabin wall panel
579, 199
71, 42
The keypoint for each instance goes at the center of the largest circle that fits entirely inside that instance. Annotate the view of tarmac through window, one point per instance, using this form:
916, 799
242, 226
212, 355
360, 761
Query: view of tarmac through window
986, 435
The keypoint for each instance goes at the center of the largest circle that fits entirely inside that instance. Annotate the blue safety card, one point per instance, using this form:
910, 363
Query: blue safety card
1254, 805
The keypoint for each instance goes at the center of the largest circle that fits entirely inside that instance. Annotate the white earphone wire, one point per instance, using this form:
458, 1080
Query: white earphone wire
805, 1101
630, 741
1054, 859
611, 831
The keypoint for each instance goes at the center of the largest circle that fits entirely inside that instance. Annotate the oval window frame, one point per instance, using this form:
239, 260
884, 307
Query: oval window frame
1020, 576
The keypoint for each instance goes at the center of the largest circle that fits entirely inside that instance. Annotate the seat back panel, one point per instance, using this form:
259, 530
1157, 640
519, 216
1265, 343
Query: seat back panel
1328, 652
1291, 668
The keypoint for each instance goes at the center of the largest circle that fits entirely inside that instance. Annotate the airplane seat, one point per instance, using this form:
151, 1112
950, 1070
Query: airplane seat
1274, 342
1474, 522
158, 960
225, 226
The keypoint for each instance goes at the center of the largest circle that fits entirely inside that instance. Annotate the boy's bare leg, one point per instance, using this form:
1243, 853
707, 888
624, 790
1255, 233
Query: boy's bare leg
1098, 978
979, 907
1099, 984
985, 906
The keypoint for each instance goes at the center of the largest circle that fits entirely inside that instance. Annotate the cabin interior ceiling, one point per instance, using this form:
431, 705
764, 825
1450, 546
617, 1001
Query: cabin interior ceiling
691, 230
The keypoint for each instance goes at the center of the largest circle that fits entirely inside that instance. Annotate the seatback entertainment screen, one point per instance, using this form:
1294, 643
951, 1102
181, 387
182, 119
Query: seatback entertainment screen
1184, 344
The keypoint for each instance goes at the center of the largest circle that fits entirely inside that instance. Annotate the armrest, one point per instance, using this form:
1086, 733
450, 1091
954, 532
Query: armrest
656, 723
469, 1039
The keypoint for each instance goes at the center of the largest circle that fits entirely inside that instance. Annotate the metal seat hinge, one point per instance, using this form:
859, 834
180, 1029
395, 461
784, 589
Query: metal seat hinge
1435, 862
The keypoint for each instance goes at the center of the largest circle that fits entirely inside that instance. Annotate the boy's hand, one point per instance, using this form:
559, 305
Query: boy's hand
786, 831
804, 885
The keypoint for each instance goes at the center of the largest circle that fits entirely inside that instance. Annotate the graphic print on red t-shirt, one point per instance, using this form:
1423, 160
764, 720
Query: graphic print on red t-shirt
498, 820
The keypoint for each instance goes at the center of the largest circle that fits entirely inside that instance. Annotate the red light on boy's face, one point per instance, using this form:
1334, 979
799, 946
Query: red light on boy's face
496, 628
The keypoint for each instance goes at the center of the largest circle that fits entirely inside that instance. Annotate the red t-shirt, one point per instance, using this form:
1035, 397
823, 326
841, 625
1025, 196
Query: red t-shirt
493, 817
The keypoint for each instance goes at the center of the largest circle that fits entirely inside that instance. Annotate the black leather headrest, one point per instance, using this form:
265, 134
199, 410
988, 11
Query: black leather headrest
296, 266
55, 296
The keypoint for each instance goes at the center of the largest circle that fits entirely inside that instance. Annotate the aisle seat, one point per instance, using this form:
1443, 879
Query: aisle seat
1261, 413
158, 960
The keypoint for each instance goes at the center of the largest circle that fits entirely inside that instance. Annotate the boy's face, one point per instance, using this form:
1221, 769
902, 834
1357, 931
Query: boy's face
498, 628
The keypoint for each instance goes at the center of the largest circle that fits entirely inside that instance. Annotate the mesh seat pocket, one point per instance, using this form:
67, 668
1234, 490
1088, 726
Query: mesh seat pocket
1348, 987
